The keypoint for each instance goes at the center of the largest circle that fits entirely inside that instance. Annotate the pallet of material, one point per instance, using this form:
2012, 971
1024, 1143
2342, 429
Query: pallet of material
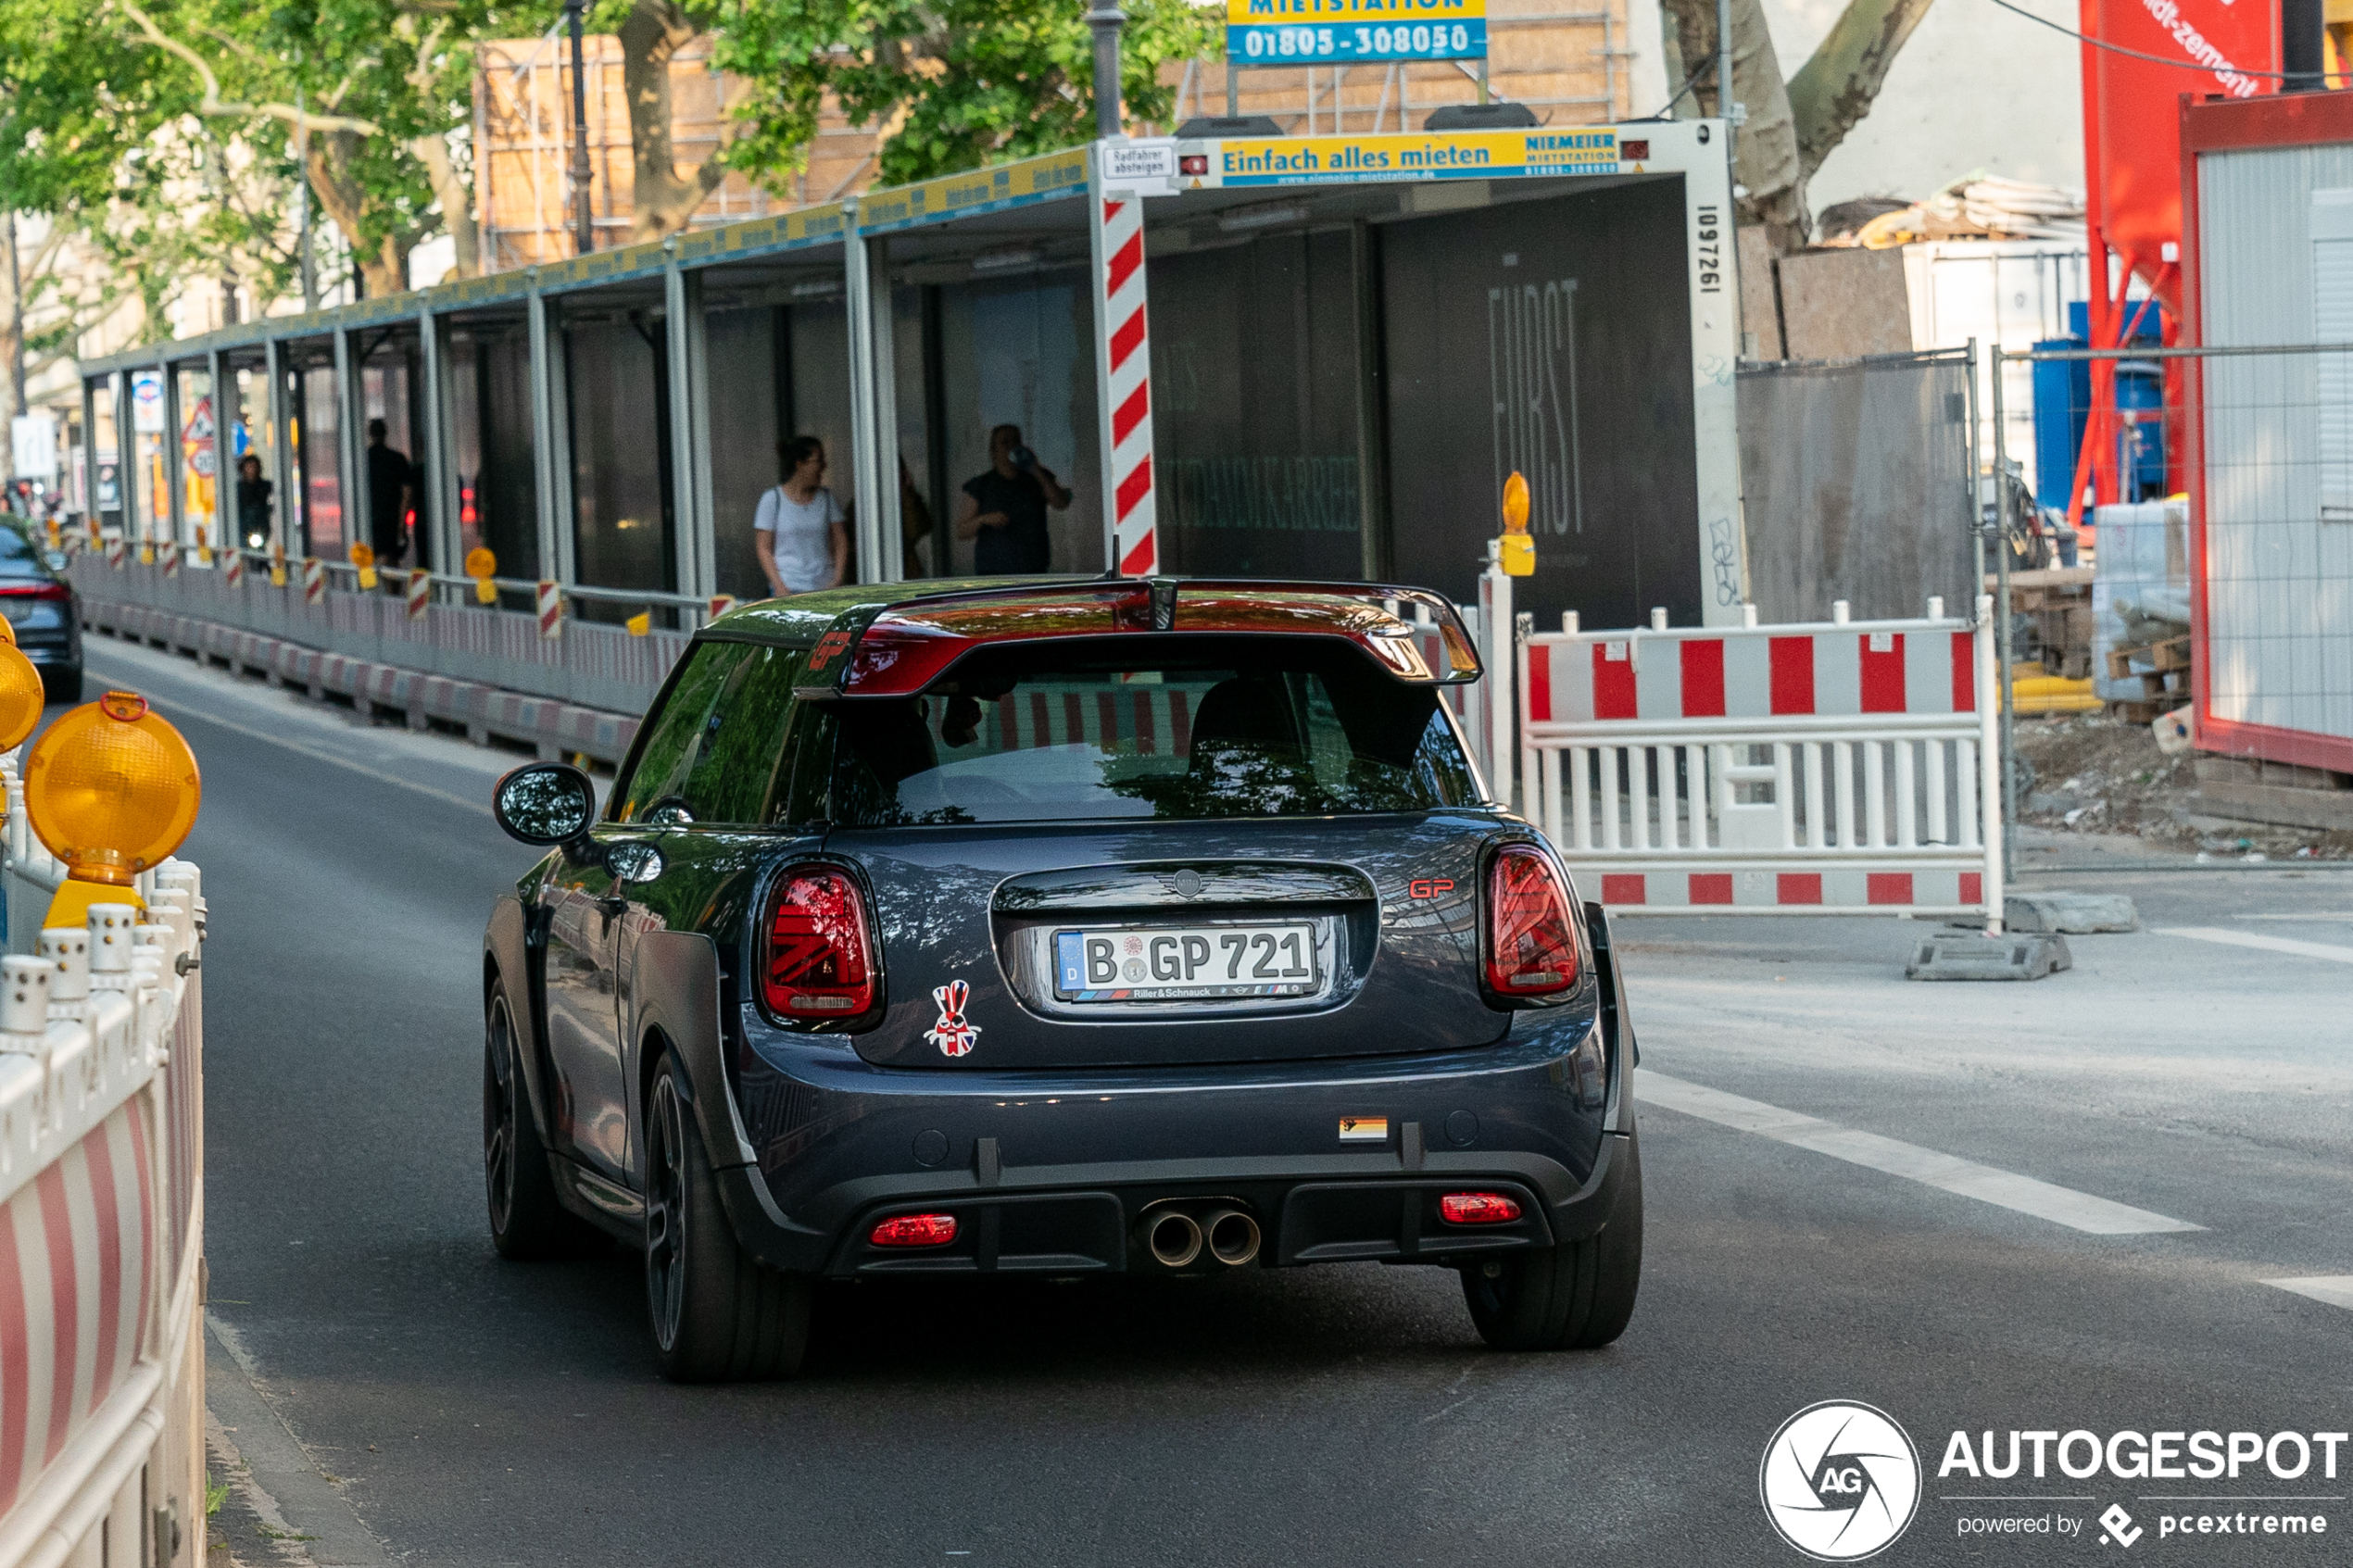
2174, 654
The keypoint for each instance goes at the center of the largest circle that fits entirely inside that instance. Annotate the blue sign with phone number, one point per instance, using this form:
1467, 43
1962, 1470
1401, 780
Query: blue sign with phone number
1353, 42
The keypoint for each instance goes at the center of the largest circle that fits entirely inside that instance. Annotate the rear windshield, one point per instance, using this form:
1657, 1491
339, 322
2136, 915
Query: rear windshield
1248, 728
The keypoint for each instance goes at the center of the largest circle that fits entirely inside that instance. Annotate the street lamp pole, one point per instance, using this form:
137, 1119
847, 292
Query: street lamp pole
584, 237
1105, 19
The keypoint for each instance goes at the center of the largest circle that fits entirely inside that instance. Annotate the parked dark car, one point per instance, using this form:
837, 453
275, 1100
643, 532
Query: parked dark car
41, 610
1056, 929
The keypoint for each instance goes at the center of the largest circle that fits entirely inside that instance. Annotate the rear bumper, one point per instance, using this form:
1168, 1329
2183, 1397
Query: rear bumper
1049, 1174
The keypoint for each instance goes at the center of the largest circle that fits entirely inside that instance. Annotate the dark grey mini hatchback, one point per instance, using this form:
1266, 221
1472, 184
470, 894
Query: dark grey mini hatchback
1056, 928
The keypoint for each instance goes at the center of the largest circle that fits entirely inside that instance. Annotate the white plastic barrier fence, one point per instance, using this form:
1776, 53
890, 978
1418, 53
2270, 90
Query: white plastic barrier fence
1825, 767
101, 1223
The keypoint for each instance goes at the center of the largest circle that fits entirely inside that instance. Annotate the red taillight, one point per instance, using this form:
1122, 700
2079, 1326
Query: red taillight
1531, 942
1477, 1209
35, 591
920, 1230
820, 960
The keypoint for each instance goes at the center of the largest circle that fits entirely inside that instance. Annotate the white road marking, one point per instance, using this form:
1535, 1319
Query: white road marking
2334, 1289
2257, 939
373, 770
2065, 1206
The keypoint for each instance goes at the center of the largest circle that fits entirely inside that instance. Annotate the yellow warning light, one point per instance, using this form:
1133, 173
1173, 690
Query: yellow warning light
1515, 503
363, 556
20, 697
111, 789
482, 566
7, 632
640, 624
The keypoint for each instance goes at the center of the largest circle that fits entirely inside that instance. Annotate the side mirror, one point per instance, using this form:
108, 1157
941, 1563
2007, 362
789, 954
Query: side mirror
543, 803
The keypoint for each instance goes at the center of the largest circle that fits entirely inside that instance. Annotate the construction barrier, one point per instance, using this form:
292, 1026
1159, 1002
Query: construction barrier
1825, 767
485, 713
101, 1221
591, 665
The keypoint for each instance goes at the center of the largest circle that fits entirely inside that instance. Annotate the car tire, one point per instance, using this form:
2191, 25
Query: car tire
1574, 1296
61, 685
526, 1219
719, 1315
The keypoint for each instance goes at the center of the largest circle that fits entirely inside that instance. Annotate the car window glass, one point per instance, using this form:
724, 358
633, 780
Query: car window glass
745, 744
16, 549
655, 789
1240, 728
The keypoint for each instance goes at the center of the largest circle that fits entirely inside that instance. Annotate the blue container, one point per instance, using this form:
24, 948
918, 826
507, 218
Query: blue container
2062, 394
2140, 407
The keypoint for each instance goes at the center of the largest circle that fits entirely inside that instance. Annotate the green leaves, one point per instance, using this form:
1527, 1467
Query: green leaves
957, 83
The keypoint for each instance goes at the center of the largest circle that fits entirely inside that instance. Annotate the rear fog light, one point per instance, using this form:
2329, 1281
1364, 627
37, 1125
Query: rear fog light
1477, 1209
923, 1230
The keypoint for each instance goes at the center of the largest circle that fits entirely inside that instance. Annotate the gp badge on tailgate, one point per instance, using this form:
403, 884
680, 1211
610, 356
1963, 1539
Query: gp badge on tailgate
951, 1033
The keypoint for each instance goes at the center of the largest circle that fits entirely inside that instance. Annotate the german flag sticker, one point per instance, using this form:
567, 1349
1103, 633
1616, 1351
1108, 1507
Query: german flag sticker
1364, 1129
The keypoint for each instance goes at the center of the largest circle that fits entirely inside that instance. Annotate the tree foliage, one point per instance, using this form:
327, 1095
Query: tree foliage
957, 84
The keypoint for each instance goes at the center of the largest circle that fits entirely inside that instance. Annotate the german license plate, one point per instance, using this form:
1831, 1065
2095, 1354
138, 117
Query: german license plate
1175, 963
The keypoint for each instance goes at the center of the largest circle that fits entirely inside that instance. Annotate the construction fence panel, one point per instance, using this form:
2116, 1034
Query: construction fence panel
1854, 479
590, 664
1816, 768
100, 1202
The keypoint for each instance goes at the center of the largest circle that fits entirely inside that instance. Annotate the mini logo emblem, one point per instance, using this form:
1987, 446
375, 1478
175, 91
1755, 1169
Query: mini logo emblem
1839, 1481
1187, 883
2116, 1525
951, 1033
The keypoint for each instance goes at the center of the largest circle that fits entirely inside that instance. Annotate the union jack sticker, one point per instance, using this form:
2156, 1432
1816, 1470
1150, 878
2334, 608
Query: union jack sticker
951, 1033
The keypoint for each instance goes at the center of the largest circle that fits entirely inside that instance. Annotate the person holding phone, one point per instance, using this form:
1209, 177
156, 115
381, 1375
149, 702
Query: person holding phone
1004, 508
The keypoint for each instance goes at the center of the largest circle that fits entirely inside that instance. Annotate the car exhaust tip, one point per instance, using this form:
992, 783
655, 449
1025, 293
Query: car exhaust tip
1174, 1238
1232, 1236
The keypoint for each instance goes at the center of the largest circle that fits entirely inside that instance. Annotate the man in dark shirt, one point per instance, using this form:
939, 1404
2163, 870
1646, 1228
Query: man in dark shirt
392, 488
1004, 509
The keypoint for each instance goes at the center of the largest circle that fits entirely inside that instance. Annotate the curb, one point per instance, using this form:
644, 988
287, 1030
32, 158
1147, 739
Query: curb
556, 730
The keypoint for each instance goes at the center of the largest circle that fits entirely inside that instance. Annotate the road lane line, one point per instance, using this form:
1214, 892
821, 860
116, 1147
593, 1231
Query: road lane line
374, 771
2334, 1289
2065, 1206
2257, 939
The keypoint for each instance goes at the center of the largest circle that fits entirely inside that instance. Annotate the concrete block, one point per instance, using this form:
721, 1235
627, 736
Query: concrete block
2076, 913
1972, 955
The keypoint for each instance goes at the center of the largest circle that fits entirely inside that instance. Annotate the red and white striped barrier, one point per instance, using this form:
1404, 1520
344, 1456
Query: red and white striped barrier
1124, 370
232, 567
101, 1223
420, 593
551, 609
1818, 767
314, 580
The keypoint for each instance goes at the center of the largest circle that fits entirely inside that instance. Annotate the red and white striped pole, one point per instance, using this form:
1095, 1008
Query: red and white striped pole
1123, 367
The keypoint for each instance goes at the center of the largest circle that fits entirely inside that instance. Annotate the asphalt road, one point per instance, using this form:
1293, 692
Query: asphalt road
471, 1412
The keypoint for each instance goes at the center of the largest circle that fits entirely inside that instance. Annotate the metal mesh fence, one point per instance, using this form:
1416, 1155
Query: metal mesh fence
2207, 493
1855, 484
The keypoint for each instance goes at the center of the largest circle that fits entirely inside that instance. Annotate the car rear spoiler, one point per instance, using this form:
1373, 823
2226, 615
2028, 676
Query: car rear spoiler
900, 650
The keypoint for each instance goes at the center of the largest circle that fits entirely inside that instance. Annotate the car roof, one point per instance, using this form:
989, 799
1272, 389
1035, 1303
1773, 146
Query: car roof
948, 617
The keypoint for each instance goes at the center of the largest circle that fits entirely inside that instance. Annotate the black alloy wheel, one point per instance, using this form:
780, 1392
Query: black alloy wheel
1577, 1295
719, 1315
526, 1221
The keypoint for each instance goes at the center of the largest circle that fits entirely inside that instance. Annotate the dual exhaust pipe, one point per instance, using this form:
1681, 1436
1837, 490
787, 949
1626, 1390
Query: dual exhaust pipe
1188, 1237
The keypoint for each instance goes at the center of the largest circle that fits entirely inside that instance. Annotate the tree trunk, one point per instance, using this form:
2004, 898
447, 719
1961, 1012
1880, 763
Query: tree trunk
456, 199
385, 270
660, 203
1833, 90
1768, 167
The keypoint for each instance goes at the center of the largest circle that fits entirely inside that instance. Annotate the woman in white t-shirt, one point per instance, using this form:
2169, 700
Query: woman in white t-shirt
803, 544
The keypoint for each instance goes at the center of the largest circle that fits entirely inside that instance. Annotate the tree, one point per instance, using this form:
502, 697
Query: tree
960, 82
1792, 126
